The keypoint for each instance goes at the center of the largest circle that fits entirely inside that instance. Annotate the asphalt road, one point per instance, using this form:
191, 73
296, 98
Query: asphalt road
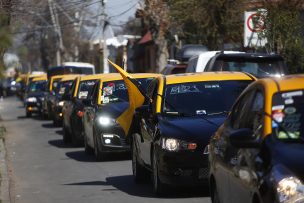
43, 169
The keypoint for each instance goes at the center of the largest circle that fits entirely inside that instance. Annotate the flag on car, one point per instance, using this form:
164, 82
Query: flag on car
136, 98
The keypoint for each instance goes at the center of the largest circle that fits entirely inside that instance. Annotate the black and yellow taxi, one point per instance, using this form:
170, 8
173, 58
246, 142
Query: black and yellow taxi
256, 155
173, 128
35, 94
103, 133
64, 85
73, 109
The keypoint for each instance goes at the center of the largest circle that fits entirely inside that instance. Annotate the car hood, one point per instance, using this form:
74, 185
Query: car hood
290, 155
193, 129
113, 110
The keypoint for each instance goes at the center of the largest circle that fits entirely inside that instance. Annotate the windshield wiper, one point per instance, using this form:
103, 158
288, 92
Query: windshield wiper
218, 113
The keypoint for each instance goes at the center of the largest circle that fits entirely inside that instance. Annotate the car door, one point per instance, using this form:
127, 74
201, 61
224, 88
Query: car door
68, 106
89, 115
147, 124
243, 176
225, 156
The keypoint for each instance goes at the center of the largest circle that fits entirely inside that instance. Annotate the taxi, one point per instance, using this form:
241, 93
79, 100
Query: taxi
176, 124
50, 96
62, 88
35, 95
256, 155
73, 108
28, 78
103, 133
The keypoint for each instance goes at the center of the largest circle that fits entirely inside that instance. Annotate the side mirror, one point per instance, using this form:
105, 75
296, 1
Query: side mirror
87, 102
243, 138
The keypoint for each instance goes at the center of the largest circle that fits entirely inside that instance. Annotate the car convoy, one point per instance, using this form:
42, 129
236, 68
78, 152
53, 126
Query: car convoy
228, 131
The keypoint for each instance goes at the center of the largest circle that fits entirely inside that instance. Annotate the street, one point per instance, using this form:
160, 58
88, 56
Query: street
43, 169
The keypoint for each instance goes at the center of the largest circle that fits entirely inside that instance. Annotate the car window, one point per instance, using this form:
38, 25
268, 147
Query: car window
256, 113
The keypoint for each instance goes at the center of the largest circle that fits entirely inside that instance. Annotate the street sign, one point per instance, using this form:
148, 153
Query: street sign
254, 23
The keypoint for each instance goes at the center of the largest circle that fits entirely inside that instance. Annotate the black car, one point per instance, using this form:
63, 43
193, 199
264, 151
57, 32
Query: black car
102, 131
73, 109
256, 155
35, 95
175, 126
258, 64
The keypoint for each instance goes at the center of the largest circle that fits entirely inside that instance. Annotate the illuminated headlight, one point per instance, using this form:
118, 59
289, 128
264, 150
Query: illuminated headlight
172, 144
103, 120
31, 99
42, 98
290, 190
61, 103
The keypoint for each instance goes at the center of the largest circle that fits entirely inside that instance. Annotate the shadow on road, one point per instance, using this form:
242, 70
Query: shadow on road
60, 144
48, 125
127, 185
59, 132
83, 157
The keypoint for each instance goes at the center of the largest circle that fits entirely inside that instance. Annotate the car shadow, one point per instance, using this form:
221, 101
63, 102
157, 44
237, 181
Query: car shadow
127, 185
60, 144
83, 157
59, 132
48, 125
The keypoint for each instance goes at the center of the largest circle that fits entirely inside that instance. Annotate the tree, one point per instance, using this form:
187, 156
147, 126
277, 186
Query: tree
211, 23
284, 31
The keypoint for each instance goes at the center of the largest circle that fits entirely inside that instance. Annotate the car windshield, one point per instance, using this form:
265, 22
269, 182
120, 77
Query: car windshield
63, 86
288, 115
258, 67
85, 88
37, 86
116, 91
202, 98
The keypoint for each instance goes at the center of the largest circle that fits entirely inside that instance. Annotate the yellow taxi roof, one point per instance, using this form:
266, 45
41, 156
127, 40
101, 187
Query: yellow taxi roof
286, 83
40, 78
207, 76
117, 76
69, 77
36, 75
92, 77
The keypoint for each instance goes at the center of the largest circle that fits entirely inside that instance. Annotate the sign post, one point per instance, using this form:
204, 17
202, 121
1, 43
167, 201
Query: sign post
254, 23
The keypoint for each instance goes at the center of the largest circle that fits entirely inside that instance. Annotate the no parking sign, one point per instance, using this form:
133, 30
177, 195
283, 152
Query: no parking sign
254, 23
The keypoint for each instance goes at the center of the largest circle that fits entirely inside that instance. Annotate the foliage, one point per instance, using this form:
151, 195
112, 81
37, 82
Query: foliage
5, 37
284, 32
212, 23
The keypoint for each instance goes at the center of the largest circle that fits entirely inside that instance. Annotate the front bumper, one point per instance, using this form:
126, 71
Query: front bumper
58, 113
184, 168
34, 107
113, 139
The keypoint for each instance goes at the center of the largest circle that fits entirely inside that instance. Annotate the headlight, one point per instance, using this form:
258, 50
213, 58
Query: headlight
41, 98
31, 99
290, 190
103, 120
61, 103
172, 144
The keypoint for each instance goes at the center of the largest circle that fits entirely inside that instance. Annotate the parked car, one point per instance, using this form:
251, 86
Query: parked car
62, 88
259, 65
197, 63
103, 133
73, 109
35, 95
177, 123
174, 69
256, 155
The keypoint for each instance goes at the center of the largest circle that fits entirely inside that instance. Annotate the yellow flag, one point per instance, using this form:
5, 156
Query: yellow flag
136, 99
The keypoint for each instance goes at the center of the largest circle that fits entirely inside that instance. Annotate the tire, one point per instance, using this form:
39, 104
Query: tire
99, 154
28, 114
140, 174
158, 187
214, 194
66, 135
55, 122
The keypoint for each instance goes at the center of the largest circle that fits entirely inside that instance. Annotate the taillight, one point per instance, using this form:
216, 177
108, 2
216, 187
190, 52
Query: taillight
80, 113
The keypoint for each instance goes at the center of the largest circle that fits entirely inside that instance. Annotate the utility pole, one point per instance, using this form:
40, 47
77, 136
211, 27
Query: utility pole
57, 31
104, 44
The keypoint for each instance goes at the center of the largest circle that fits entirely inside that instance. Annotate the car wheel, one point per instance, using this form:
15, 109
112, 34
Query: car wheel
99, 154
215, 196
158, 186
28, 114
76, 142
139, 172
66, 135
87, 147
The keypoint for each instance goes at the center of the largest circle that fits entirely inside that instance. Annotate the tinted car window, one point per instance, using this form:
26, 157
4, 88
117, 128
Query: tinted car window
85, 88
288, 112
202, 97
63, 86
37, 86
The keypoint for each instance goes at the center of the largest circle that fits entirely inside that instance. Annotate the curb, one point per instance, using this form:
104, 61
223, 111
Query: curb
4, 177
